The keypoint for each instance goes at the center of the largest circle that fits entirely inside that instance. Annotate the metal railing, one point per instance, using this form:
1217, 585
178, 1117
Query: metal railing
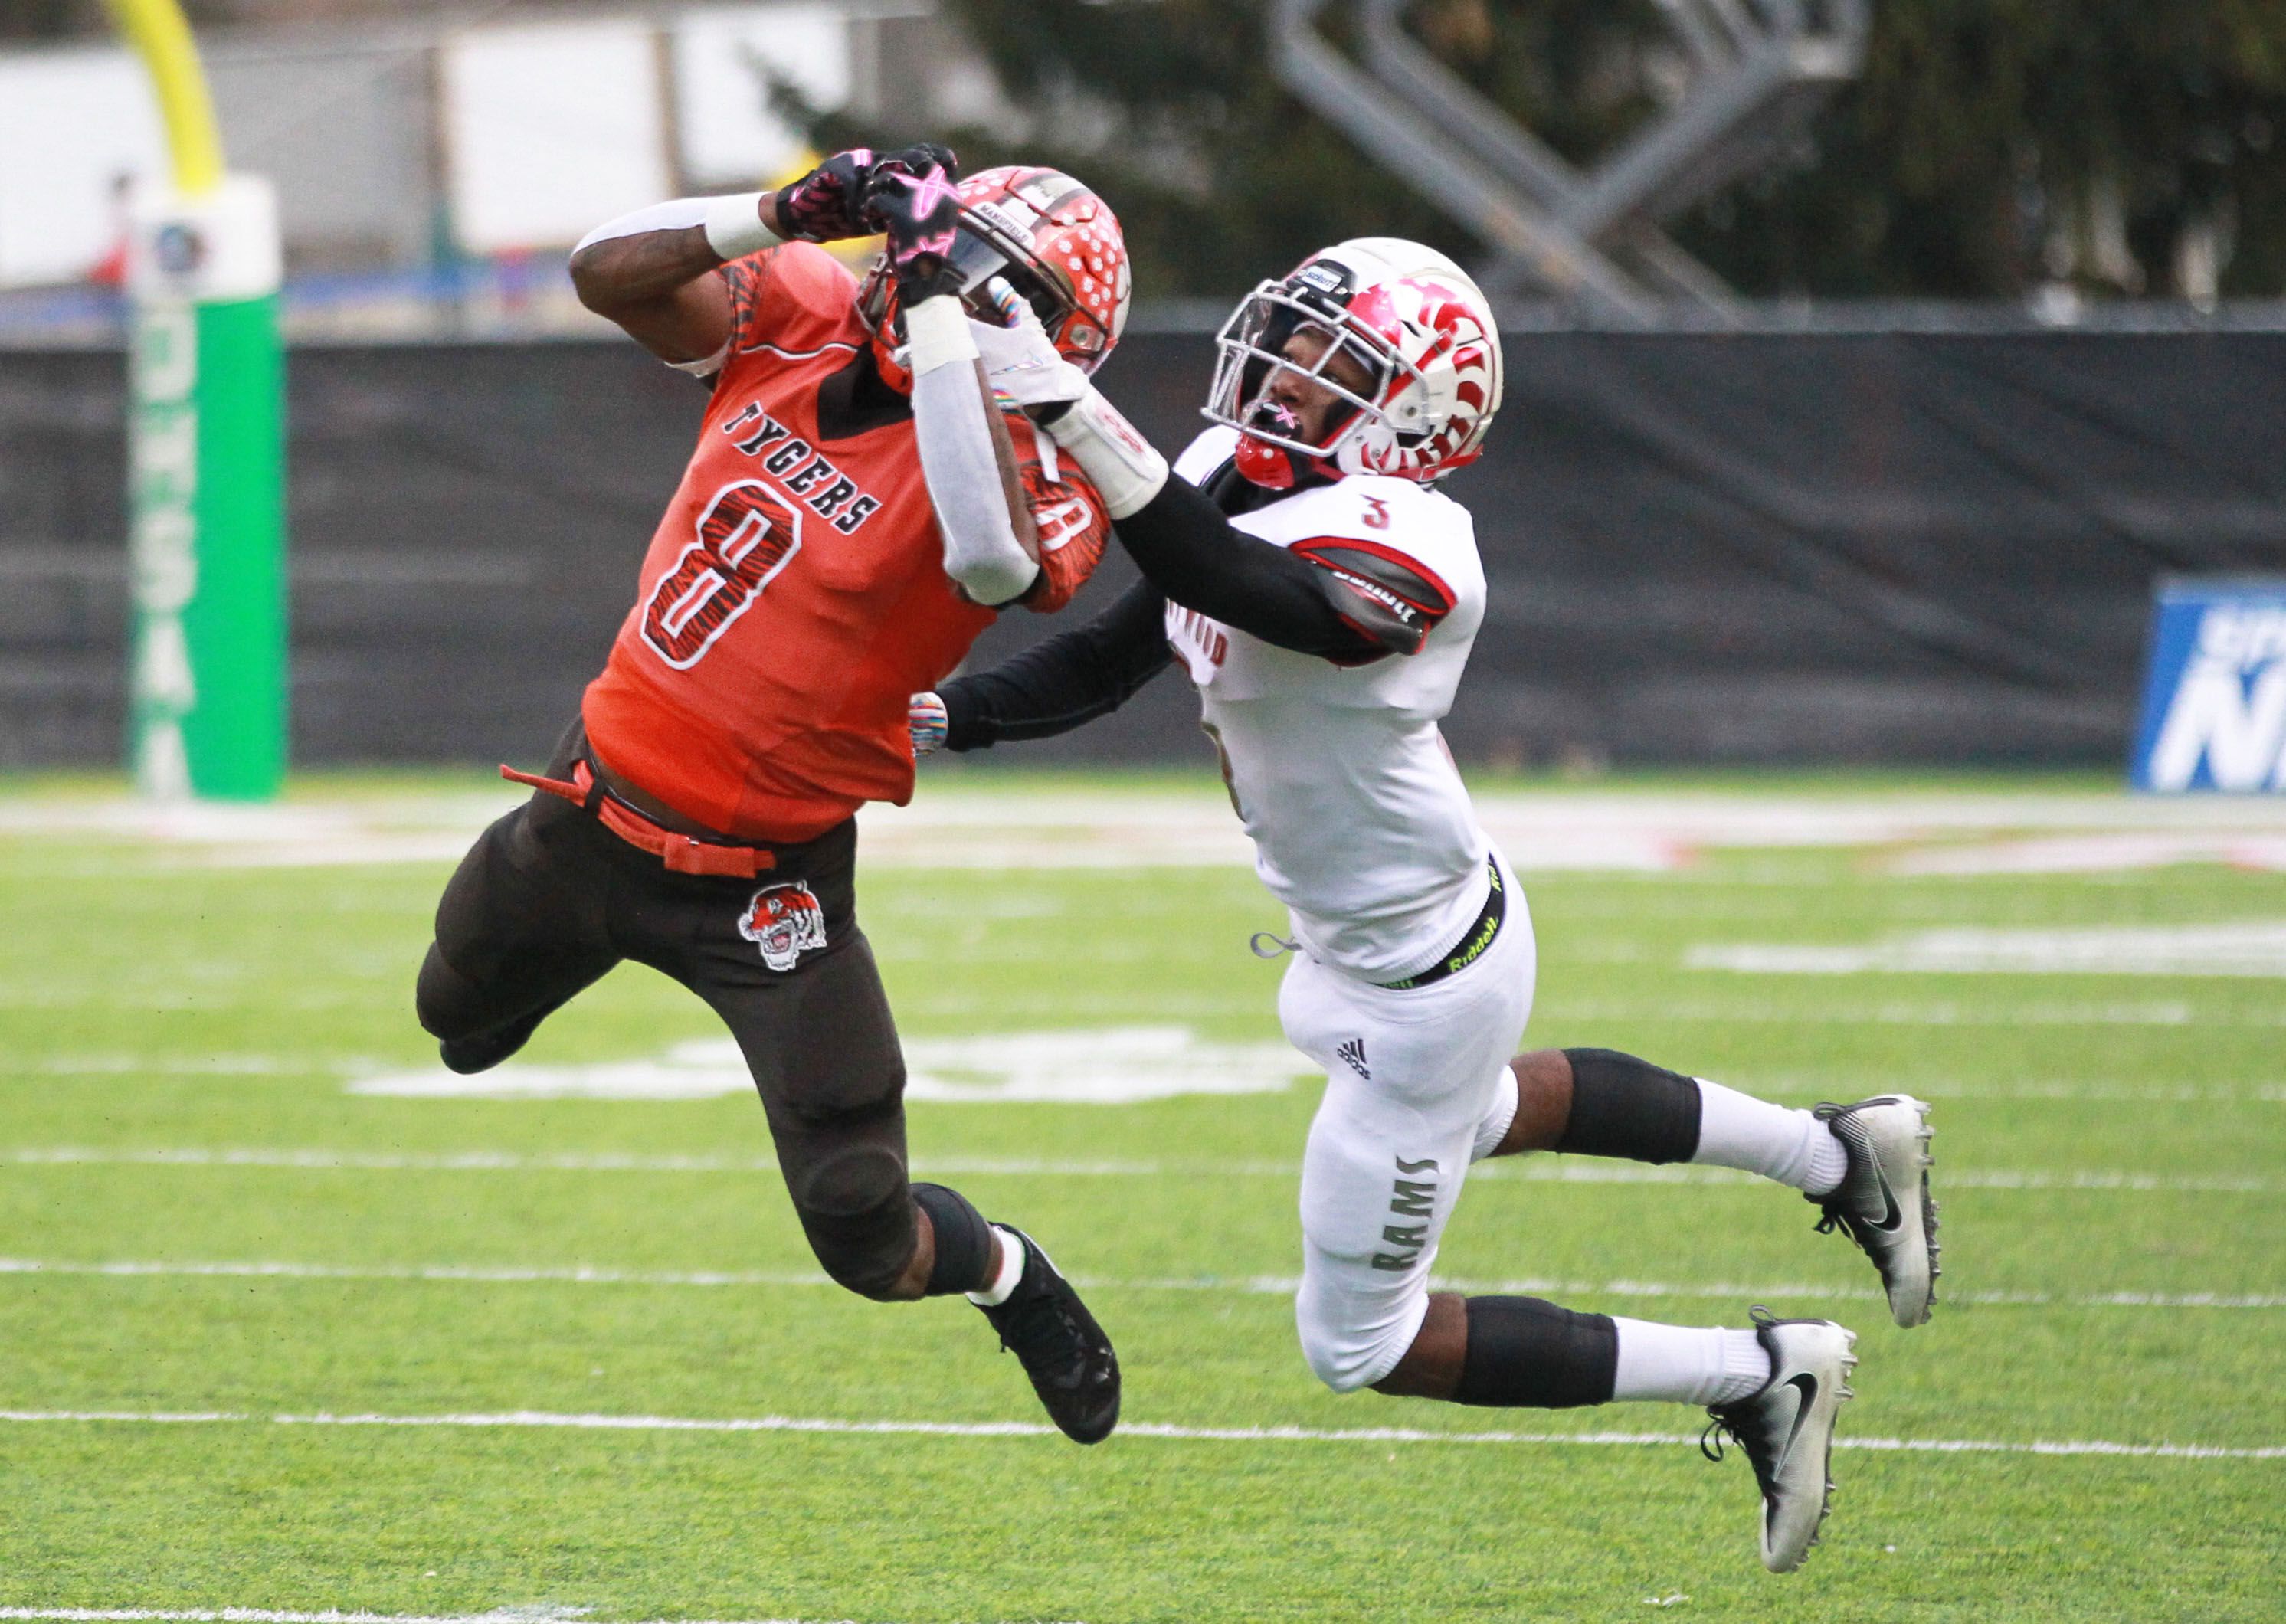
1591, 236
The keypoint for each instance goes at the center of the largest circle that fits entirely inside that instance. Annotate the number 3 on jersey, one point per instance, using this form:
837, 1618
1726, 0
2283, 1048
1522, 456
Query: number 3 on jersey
745, 536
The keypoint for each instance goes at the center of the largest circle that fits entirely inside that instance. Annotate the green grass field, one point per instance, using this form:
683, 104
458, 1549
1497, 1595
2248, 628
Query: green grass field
218, 1256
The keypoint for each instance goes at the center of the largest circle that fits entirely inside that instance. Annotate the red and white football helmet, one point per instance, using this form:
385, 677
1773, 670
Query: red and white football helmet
1416, 323
1039, 236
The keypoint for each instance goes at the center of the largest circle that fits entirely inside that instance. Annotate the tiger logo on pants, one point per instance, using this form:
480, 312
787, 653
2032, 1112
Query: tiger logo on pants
784, 921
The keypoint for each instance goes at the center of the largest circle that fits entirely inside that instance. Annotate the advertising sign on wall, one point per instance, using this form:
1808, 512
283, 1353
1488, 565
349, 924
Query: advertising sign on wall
2214, 703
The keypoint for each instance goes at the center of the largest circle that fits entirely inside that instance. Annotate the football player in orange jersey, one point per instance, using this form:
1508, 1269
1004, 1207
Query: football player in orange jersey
699, 816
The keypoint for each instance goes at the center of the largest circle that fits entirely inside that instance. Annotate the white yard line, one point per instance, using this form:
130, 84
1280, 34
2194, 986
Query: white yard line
546, 1419
2158, 1012
268, 1615
2155, 1093
181, 1065
603, 1162
1275, 1285
1835, 1087
1741, 1012
1012, 824
2253, 949
1538, 1171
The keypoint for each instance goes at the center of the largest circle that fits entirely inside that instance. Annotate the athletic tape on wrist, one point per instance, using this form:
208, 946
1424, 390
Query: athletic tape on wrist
1125, 468
937, 335
734, 225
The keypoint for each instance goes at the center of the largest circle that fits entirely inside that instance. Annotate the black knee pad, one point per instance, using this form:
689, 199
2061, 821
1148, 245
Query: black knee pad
1525, 1353
853, 1209
1624, 1107
964, 1240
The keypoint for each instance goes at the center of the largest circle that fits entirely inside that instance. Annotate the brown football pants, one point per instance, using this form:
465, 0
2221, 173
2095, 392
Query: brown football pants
548, 899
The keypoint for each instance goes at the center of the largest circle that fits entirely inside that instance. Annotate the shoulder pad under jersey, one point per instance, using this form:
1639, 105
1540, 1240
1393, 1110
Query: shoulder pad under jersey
791, 300
1391, 599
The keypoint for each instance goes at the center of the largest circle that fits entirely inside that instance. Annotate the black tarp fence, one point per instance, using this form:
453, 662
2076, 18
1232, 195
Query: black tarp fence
1761, 547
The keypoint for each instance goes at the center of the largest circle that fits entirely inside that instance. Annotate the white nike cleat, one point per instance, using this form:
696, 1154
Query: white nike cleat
1787, 1430
1883, 1200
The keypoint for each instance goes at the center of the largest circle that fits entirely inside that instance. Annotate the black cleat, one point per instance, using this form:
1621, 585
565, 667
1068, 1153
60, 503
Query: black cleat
1061, 1348
486, 1050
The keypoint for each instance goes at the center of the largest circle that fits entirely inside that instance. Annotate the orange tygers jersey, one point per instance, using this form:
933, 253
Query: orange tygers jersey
794, 594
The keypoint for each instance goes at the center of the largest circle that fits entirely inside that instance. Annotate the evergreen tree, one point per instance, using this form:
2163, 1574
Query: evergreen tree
1990, 145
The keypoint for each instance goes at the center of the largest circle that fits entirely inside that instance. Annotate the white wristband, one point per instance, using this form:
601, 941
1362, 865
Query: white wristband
734, 225
1125, 468
937, 335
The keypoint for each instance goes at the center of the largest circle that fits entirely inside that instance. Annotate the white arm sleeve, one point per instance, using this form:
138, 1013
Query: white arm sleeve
734, 224
980, 548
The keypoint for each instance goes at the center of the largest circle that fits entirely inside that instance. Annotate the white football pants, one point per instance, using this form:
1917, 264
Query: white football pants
1417, 1086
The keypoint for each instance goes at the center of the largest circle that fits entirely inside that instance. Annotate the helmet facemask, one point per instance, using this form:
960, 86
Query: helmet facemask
1253, 350
1424, 383
998, 251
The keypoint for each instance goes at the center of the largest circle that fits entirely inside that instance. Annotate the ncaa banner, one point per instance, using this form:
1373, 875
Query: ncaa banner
2214, 704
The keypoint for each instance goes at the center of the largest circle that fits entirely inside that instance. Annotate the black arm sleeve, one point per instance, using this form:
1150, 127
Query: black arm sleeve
1073, 677
1189, 551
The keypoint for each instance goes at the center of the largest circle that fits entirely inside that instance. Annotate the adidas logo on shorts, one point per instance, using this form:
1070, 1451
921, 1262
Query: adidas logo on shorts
1354, 1053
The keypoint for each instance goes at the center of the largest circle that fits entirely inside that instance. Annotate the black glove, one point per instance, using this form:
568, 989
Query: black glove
829, 203
916, 205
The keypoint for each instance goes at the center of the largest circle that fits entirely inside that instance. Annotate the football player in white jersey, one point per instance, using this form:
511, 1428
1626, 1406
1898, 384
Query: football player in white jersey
1322, 593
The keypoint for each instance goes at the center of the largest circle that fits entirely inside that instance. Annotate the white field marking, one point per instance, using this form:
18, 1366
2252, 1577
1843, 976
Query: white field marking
1711, 818
2162, 1013
1559, 1171
2241, 948
591, 1423
144, 1001
1537, 1170
174, 1066
2154, 1093
578, 1162
1771, 1087
1253, 1285
1933, 1013
1099, 1065
267, 1615
462, 1273
956, 825
2095, 854
379, 829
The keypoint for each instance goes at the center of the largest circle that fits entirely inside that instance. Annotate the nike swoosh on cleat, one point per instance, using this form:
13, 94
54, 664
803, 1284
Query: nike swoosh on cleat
1806, 1386
1893, 1215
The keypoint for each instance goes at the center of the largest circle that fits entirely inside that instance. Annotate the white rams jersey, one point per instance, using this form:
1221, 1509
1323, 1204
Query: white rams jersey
1359, 821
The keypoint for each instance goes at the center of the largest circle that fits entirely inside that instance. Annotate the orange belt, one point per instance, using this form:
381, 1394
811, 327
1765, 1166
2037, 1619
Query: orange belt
682, 854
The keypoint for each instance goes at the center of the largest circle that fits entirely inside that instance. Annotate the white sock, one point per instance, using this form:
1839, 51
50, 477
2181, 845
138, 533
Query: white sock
1687, 1365
1792, 1146
1012, 1270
